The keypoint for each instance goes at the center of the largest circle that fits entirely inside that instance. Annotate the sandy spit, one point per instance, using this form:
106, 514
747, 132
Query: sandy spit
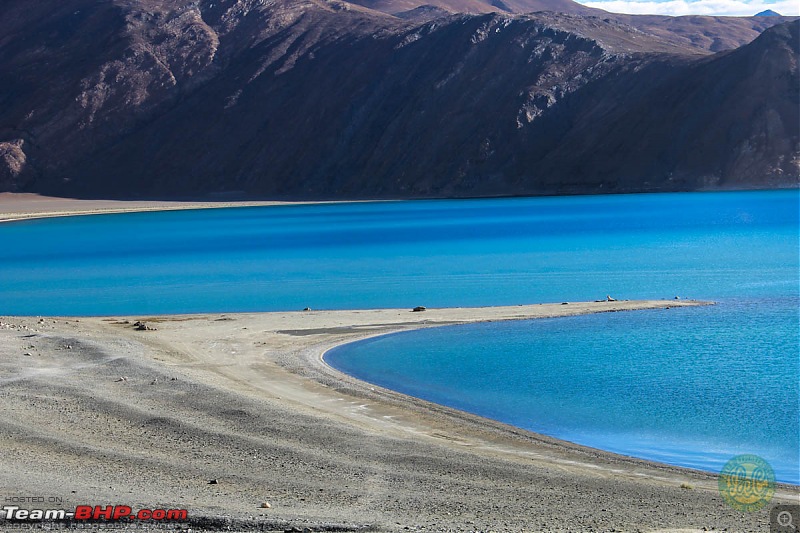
22, 206
96, 412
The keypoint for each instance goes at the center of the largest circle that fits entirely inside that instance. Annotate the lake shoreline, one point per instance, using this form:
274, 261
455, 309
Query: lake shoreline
236, 417
246, 400
30, 206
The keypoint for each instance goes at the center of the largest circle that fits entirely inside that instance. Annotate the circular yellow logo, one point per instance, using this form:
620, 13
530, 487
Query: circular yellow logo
747, 483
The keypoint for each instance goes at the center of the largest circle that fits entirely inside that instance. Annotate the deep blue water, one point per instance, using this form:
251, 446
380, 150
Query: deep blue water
689, 386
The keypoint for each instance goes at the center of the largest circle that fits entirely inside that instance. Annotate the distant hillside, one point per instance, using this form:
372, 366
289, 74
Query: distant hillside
325, 99
715, 34
708, 33
480, 6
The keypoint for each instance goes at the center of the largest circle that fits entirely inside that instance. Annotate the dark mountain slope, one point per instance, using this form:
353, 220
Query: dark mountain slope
76, 79
327, 100
726, 122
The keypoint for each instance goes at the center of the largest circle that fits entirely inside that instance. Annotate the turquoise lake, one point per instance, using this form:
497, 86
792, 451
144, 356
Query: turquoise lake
691, 386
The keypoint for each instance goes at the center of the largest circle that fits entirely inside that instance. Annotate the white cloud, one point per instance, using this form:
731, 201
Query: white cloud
697, 7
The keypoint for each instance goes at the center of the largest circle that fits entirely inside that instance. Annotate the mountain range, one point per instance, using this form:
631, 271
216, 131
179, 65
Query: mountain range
326, 99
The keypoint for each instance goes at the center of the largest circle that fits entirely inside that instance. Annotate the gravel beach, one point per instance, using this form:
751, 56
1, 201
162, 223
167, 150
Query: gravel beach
237, 418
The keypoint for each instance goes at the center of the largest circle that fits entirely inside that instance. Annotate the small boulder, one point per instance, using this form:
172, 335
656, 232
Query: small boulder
419, 309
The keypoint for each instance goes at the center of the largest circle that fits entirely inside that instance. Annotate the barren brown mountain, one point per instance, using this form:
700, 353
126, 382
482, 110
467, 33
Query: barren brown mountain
329, 99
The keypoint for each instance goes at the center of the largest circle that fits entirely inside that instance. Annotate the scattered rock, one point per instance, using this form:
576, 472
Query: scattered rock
677, 297
306, 309
266, 505
419, 309
27, 353
213, 482
143, 327
123, 378
564, 303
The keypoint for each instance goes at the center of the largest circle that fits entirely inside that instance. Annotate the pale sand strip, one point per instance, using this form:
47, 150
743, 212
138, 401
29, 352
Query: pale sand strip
24, 206
253, 406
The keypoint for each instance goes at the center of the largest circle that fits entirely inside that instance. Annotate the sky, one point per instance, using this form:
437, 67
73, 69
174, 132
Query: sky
696, 7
